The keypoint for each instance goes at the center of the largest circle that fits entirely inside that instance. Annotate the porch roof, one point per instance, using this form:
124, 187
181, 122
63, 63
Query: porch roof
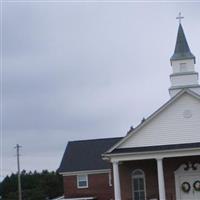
156, 148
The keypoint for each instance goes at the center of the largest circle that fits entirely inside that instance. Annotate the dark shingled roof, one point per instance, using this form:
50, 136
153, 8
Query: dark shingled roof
182, 50
86, 155
156, 148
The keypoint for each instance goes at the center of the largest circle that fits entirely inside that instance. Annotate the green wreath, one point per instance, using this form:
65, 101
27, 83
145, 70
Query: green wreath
196, 186
185, 187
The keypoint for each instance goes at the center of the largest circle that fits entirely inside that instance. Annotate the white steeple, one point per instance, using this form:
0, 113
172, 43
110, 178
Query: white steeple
183, 66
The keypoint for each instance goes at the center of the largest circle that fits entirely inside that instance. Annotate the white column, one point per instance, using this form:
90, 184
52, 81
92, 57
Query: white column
116, 181
161, 181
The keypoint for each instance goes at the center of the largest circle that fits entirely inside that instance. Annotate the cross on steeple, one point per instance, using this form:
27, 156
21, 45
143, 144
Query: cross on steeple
179, 17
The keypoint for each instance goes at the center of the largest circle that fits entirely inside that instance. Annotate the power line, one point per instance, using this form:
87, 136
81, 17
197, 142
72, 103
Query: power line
18, 169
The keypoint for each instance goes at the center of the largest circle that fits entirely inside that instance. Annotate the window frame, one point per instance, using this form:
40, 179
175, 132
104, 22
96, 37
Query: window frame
136, 176
110, 179
78, 181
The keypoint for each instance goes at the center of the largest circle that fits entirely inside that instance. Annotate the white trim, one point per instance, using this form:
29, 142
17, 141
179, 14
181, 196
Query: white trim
58, 198
179, 94
82, 198
110, 179
117, 189
153, 154
77, 181
101, 171
161, 179
138, 176
181, 172
79, 198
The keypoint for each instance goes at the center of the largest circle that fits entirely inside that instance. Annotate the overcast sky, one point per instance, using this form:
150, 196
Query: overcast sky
76, 71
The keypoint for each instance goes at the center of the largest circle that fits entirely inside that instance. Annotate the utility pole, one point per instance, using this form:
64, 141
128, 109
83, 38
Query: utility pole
18, 168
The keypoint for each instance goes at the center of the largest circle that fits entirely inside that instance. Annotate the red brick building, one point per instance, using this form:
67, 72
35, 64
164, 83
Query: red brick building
85, 174
157, 160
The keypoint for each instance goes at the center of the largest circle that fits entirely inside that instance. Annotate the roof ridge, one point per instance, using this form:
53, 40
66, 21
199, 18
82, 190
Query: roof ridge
95, 139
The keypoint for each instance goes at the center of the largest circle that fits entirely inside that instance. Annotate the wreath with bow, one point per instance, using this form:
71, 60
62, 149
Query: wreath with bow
196, 186
185, 187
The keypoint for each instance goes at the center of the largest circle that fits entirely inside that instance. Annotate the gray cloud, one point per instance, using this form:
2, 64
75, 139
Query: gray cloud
78, 71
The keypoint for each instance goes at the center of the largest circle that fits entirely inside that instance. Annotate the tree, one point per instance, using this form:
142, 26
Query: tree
35, 185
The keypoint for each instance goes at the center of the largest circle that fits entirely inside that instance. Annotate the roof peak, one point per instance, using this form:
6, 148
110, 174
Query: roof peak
182, 50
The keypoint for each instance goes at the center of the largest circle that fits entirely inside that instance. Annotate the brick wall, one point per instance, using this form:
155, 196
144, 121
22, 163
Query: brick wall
98, 186
150, 170
170, 165
99, 183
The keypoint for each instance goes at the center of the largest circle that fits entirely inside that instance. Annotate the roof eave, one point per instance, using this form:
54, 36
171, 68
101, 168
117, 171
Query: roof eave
175, 58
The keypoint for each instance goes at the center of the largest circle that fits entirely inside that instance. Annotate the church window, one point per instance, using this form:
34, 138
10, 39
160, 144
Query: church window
138, 185
82, 181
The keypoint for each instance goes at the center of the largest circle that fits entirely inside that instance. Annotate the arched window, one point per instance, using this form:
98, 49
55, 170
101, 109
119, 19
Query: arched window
138, 185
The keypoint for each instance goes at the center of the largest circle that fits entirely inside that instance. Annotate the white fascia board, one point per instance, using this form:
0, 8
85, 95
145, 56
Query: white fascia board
82, 198
152, 116
101, 171
154, 154
58, 198
194, 94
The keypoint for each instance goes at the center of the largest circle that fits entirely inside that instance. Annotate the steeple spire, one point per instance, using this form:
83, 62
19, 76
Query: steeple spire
184, 75
182, 50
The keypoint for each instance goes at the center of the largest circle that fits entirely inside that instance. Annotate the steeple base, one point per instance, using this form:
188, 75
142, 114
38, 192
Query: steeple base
174, 90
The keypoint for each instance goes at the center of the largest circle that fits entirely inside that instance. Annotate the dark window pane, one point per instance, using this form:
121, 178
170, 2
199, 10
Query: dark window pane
135, 184
141, 183
136, 196
82, 183
142, 196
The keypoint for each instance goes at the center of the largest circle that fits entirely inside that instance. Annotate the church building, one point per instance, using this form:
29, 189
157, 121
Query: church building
157, 160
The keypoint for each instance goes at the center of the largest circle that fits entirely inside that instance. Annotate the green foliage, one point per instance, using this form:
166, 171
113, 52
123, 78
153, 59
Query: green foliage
35, 186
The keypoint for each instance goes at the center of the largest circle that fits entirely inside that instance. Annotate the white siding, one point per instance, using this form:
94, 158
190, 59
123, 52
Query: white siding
182, 80
170, 126
176, 65
174, 92
196, 90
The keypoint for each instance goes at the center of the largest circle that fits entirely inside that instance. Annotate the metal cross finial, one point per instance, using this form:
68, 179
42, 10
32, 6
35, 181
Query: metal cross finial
179, 17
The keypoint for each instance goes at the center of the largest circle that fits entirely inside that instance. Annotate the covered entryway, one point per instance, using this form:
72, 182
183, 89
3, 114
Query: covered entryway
187, 179
143, 179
